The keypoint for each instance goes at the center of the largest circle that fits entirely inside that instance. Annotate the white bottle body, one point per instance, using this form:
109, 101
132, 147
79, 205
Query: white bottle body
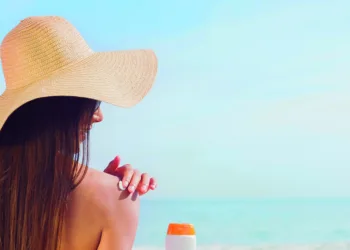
180, 242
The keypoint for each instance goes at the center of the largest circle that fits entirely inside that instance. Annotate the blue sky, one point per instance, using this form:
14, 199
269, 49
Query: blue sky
252, 97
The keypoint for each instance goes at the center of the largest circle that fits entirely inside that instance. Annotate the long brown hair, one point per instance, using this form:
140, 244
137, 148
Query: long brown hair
40, 150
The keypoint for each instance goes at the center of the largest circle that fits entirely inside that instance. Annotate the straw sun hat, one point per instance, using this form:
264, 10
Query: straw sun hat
46, 56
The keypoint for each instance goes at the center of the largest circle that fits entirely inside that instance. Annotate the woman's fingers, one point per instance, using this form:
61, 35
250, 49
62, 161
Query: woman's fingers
112, 166
153, 184
136, 177
144, 183
132, 179
129, 172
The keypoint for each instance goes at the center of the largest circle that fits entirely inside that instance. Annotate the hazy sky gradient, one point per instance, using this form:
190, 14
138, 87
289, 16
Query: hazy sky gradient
252, 97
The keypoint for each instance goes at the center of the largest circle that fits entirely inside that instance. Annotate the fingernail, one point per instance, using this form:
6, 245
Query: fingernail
131, 189
116, 158
144, 188
126, 183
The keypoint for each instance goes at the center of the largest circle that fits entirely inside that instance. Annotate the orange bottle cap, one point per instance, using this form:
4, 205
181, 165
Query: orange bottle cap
181, 229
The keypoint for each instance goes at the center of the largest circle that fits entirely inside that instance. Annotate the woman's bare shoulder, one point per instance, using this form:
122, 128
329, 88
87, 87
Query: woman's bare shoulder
97, 182
102, 191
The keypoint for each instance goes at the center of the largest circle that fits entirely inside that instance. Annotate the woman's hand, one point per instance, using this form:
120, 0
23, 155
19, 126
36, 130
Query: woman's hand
131, 178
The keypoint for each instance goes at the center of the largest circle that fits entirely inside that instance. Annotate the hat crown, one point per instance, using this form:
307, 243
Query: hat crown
39, 46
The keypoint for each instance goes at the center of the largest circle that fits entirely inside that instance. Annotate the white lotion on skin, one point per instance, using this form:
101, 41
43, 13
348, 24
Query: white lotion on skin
120, 185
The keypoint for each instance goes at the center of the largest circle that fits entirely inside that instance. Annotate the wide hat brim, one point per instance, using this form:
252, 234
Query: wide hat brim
121, 78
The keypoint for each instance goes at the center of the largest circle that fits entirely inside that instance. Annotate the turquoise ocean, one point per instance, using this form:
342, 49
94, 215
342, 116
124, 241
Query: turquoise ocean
250, 224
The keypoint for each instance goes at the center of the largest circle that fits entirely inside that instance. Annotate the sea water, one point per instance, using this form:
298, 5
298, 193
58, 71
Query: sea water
250, 224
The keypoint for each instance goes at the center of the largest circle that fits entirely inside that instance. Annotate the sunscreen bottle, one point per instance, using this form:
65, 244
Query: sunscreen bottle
180, 237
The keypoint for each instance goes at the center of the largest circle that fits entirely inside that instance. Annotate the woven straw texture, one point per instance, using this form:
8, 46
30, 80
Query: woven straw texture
46, 56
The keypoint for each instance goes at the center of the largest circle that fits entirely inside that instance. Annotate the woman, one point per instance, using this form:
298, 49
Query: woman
49, 198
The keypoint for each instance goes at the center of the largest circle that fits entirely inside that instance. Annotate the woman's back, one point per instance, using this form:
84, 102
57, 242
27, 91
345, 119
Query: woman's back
83, 223
95, 201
